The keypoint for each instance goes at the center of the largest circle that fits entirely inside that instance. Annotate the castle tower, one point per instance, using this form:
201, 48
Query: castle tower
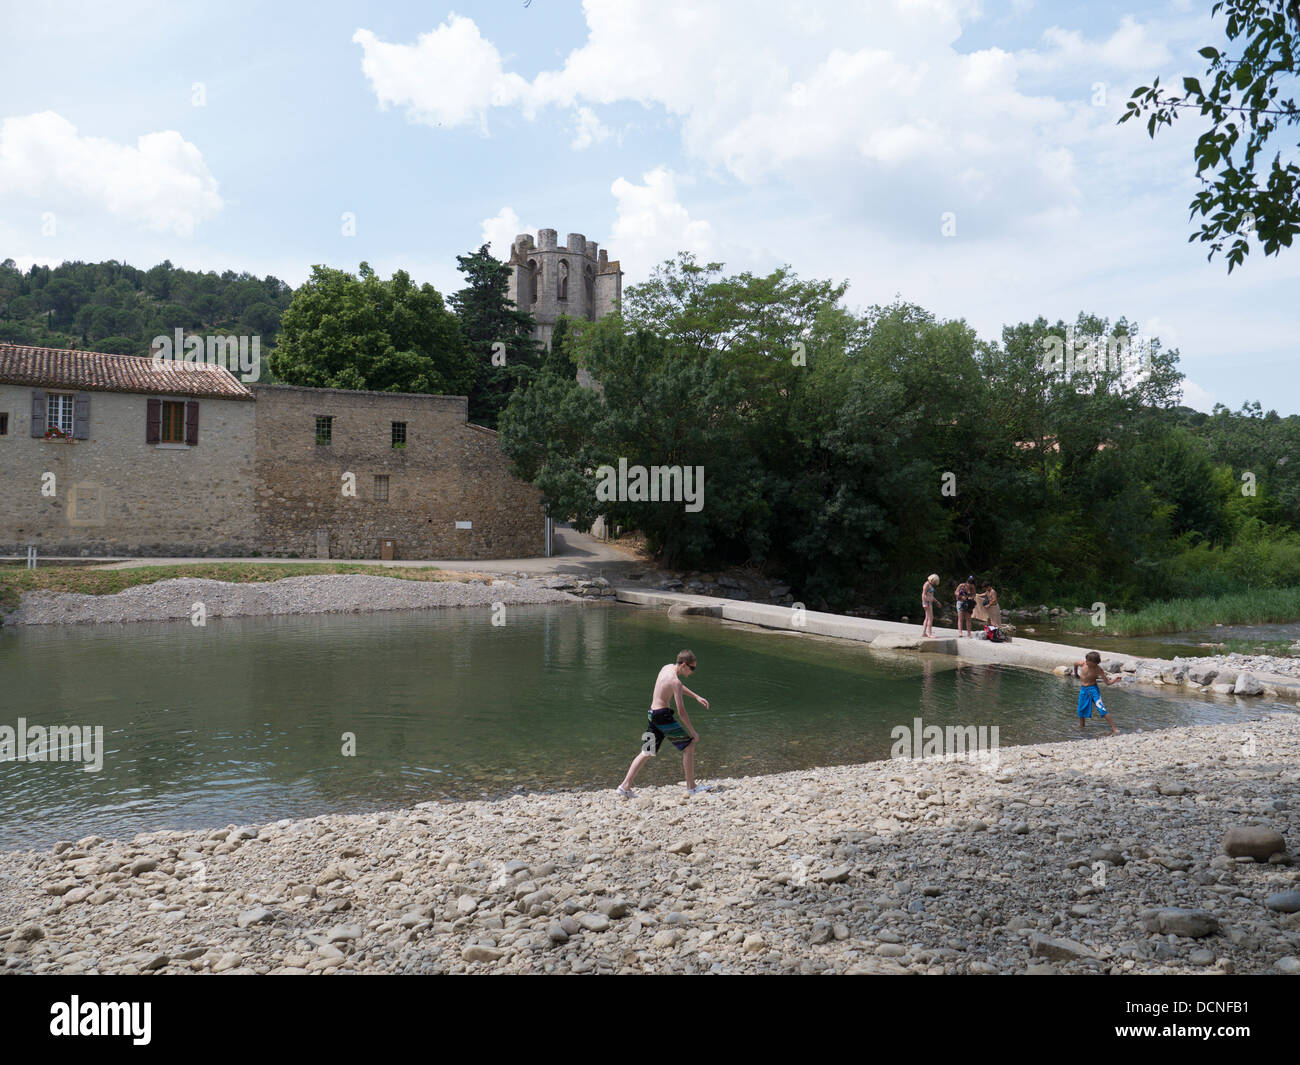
577, 279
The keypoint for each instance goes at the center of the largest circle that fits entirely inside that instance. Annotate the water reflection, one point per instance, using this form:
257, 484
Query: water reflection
246, 719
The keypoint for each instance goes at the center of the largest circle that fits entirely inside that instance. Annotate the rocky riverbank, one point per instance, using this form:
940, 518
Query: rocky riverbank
176, 599
1105, 855
1234, 674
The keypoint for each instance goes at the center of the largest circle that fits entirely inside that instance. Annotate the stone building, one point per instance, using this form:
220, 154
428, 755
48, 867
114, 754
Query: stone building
344, 472
112, 455
578, 279
107, 454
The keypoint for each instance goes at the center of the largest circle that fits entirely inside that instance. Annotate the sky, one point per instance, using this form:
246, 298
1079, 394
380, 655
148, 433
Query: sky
957, 154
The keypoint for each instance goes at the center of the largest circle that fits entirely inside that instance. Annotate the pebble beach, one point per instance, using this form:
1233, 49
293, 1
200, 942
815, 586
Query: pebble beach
1156, 852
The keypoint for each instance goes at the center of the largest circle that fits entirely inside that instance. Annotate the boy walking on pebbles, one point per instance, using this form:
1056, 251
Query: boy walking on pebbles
1089, 671
669, 686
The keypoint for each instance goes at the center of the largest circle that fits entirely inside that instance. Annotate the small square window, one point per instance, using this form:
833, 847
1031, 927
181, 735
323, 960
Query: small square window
381, 488
324, 429
399, 434
4, 424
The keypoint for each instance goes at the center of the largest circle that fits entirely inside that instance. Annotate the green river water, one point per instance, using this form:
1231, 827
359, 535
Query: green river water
243, 720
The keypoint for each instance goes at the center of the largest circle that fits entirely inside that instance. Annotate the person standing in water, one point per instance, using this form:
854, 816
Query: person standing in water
662, 724
1089, 671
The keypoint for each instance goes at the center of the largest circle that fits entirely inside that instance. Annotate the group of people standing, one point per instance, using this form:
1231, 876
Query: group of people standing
972, 603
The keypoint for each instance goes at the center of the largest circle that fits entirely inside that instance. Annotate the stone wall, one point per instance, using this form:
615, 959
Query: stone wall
115, 494
449, 472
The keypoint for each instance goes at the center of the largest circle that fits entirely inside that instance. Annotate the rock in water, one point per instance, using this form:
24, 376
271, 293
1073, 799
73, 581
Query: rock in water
1247, 685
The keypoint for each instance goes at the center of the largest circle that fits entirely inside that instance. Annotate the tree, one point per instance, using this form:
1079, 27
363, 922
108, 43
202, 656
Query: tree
1242, 98
558, 360
342, 331
498, 336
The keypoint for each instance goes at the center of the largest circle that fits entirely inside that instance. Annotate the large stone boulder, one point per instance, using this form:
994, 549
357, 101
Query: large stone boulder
1202, 674
1148, 672
1191, 924
1247, 685
1284, 902
1252, 841
1041, 946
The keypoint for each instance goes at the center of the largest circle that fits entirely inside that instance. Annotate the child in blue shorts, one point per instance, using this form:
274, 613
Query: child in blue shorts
1089, 671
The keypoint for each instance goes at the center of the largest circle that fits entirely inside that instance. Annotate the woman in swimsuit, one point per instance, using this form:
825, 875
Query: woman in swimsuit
927, 603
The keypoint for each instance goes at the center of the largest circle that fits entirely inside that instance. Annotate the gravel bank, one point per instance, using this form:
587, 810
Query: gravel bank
1059, 861
174, 600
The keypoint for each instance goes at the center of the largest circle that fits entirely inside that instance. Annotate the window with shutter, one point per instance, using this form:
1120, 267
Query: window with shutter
153, 421
81, 417
38, 414
173, 422
58, 412
192, 422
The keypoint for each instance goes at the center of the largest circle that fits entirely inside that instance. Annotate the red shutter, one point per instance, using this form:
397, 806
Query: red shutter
192, 422
153, 422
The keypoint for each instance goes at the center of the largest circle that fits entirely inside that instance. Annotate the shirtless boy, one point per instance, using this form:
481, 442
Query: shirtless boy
1089, 671
669, 686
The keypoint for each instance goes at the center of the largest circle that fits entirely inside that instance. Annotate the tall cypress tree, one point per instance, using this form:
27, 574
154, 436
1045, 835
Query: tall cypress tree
558, 360
488, 318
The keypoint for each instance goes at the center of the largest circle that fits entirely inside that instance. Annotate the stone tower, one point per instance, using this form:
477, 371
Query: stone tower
547, 280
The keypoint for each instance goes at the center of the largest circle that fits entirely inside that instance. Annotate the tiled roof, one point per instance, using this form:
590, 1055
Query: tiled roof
97, 371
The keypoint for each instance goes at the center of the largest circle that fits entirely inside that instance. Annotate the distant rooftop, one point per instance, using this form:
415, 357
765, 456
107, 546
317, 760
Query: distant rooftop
98, 371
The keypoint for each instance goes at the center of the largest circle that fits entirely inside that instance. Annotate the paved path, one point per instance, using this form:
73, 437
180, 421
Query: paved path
1033, 654
575, 552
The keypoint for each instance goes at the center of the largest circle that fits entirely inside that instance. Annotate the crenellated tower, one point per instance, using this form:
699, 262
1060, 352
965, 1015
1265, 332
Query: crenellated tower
548, 280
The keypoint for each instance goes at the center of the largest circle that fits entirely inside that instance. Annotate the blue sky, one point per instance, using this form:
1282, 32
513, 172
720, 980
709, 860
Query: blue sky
833, 136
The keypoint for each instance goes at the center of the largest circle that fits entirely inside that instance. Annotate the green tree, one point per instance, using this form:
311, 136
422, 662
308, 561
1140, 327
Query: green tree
498, 335
344, 331
1242, 97
558, 360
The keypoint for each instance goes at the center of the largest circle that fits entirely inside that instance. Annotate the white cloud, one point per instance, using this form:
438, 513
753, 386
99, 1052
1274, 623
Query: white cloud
449, 77
1133, 47
1197, 398
824, 94
162, 183
588, 129
652, 225
501, 230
